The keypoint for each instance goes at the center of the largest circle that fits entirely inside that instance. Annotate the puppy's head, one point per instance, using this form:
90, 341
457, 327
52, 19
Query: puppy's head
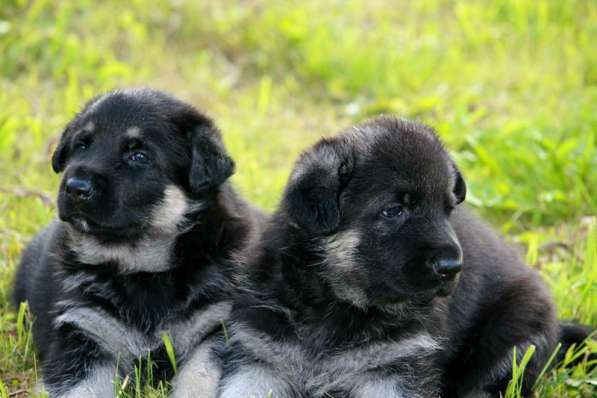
376, 200
134, 161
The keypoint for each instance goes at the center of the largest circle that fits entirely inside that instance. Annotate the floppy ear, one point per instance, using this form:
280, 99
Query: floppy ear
210, 164
62, 151
459, 186
312, 197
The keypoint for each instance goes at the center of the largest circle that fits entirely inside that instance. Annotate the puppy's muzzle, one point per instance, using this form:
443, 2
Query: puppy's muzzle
79, 189
444, 256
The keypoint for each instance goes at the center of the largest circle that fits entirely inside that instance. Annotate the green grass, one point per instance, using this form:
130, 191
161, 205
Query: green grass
510, 85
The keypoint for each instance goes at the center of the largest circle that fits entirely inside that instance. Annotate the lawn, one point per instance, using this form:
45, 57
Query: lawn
511, 87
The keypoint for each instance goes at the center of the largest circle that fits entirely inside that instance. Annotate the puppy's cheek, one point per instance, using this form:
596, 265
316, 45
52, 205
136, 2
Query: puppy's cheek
63, 206
343, 271
341, 250
170, 212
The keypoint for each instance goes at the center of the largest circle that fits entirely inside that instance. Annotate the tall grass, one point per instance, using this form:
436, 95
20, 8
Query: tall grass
510, 85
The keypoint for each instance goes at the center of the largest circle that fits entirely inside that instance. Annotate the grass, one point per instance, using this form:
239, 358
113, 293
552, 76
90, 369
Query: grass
510, 85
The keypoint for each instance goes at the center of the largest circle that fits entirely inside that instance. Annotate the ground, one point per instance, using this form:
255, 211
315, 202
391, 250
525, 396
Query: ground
510, 85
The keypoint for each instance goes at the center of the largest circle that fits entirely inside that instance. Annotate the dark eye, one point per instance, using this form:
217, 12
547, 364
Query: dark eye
138, 157
81, 145
393, 211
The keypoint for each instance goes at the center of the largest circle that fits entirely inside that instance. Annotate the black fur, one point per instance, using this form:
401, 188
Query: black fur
364, 250
120, 207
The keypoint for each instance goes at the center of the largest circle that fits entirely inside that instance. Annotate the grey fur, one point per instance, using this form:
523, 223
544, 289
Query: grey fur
186, 335
340, 253
358, 370
98, 384
199, 376
127, 344
255, 382
123, 342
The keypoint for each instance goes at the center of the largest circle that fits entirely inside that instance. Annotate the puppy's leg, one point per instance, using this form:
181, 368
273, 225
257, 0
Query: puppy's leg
88, 349
382, 388
97, 384
255, 381
521, 316
78, 367
415, 382
201, 371
200, 374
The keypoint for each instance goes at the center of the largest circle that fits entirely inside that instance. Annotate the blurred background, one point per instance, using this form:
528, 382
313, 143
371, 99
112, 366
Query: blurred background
511, 87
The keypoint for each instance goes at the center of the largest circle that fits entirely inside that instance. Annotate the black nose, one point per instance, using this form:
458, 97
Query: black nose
447, 267
79, 188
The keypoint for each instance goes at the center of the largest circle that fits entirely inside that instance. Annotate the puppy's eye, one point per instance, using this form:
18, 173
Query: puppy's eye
138, 157
81, 145
392, 211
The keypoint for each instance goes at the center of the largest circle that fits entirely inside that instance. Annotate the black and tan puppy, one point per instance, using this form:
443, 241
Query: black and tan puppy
147, 230
371, 281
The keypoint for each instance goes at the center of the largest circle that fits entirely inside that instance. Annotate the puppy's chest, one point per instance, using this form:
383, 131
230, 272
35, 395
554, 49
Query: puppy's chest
139, 301
129, 319
126, 342
321, 371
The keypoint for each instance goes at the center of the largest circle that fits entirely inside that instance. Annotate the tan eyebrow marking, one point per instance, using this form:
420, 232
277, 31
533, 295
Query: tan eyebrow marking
89, 127
407, 199
133, 132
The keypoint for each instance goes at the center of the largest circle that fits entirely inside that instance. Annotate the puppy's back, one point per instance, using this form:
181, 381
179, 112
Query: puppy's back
32, 281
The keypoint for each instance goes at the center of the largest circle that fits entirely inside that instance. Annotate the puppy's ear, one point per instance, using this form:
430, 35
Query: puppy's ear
62, 151
210, 164
459, 186
312, 198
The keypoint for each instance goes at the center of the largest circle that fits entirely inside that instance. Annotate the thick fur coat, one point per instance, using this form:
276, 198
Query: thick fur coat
148, 235
372, 280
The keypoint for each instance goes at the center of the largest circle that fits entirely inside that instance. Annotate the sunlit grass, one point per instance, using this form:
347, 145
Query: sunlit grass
510, 85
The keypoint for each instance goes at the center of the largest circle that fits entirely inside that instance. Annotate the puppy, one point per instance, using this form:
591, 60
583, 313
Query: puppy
371, 281
144, 246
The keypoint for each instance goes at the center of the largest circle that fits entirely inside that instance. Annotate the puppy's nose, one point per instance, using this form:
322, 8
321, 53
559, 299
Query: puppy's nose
79, 188
447, 267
